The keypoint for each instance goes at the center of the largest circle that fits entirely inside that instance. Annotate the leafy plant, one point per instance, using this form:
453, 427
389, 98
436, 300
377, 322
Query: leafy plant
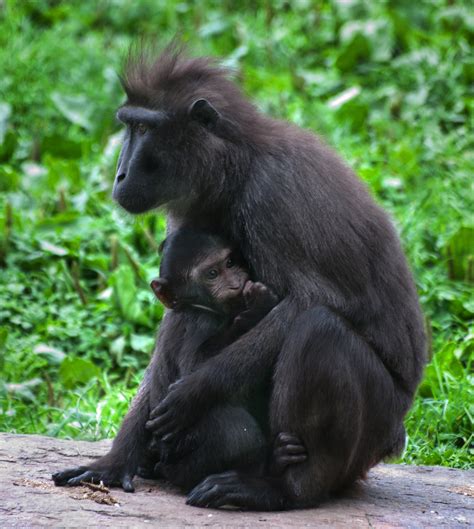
387, 83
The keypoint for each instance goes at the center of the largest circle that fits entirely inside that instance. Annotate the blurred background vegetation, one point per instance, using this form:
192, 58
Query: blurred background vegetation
387, 82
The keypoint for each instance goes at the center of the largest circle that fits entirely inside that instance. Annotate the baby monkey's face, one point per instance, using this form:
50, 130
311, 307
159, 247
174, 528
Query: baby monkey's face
214, 280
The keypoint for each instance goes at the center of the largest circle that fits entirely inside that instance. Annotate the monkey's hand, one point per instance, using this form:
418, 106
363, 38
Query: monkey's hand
259, 299
110, 474
185, 403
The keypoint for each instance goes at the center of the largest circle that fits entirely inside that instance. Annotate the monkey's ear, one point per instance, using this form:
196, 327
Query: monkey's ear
158, 284
203, 112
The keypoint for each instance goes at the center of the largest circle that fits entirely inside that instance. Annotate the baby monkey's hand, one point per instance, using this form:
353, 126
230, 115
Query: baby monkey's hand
258, 297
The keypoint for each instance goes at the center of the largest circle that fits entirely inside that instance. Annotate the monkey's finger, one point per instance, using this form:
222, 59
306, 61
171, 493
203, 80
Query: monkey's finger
247, 287
169, 437
288, 438
61, 478
127, 483
225, 478
170, 431
292, 460
158, 429
200, 496
216, 496
159, 422
231, 476
159, 410
175, 384
89, 476
233, 499
154, 412
290, 450
166, 404
174, 431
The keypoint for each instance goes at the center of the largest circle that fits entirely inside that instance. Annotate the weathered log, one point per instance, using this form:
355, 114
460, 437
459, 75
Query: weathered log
392, 496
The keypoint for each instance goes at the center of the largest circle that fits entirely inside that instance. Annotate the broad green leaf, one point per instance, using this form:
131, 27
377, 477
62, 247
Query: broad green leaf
75, 371
126, 295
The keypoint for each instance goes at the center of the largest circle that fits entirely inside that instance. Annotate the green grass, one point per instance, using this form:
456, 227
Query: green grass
77, 319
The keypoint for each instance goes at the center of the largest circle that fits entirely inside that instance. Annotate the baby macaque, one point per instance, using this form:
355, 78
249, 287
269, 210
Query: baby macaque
200, 271
203, 276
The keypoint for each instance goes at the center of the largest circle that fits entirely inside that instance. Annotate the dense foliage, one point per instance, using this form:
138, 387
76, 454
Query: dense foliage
386, 82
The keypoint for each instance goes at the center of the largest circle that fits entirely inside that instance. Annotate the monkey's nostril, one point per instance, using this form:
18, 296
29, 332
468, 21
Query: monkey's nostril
120, 177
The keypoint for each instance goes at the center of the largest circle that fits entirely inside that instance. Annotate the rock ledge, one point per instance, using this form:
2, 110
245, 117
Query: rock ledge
393, 496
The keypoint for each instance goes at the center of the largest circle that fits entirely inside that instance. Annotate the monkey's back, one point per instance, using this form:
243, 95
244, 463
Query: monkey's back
340, 248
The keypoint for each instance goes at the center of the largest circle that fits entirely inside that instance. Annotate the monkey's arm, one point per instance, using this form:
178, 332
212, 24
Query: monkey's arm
239, 367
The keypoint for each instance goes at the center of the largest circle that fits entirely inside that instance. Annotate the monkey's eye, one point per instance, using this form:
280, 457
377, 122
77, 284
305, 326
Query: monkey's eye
212, 274
230, 262
142, 128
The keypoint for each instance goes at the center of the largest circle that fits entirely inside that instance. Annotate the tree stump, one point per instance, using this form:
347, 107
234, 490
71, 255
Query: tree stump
392, 496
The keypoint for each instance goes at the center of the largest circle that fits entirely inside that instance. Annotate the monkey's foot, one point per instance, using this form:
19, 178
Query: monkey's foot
147, 472
231, 489
109, 476
288, 450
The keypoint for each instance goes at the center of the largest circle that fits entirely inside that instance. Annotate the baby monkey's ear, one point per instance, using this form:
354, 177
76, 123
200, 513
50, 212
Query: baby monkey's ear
159, 287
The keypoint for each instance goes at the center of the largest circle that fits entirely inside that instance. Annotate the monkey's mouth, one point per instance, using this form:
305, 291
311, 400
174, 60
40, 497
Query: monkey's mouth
240, 289
179, 305
183, 304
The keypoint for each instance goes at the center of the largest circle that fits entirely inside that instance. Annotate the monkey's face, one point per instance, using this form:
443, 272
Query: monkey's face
147, 161
159, 160
214, 282
221, 280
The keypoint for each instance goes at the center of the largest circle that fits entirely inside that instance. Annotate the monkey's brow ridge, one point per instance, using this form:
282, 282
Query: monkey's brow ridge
129, 114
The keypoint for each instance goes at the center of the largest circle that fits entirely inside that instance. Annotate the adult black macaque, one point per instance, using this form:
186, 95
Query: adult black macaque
345, 344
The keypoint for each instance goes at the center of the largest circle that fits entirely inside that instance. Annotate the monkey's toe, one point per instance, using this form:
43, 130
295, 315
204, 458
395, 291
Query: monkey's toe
288, 450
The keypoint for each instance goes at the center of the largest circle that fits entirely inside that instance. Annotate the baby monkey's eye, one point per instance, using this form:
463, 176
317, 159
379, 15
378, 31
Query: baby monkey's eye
212, 274
230, 262
142, 128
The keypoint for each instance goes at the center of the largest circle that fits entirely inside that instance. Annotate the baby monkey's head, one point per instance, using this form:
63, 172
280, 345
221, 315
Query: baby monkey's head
200, 270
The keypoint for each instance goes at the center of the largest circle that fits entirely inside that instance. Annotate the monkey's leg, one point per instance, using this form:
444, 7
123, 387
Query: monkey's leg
119, 466
228, 437
333, 392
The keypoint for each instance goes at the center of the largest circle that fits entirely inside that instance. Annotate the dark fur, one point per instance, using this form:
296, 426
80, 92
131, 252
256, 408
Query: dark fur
346, 343
229, 436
